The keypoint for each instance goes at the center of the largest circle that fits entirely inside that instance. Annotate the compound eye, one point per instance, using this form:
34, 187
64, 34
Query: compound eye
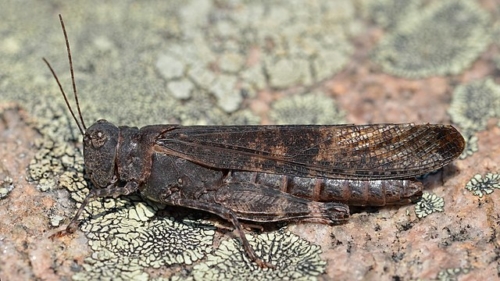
98, 139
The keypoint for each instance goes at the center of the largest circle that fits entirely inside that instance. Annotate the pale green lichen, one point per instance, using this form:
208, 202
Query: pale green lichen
451, 274
228, 95
294, 258
389, 13
428, 204
238, 46
444, 38
288, 72
474, 103
6, 181
6, 186
199, 110
50, 160
496, 61
471, 145
180, 89
56, 220
231, 62
170, 67
330, 51
107, 266
154, 243
480, 186
254, 77
313, 108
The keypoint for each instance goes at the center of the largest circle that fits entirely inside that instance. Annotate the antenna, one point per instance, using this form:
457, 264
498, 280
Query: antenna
72, 80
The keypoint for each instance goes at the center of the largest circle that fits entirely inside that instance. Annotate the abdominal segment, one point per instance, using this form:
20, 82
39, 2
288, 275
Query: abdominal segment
350, 192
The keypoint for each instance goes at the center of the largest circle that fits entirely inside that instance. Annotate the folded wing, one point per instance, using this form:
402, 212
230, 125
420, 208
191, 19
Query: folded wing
380, 151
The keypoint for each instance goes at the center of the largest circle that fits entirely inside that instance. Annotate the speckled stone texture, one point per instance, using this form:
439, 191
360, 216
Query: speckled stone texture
247, 62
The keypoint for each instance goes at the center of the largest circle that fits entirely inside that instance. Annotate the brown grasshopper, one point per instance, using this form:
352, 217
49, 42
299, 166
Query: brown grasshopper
262, 173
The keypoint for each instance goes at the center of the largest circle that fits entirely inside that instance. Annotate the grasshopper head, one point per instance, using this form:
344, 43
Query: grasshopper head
99, 152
